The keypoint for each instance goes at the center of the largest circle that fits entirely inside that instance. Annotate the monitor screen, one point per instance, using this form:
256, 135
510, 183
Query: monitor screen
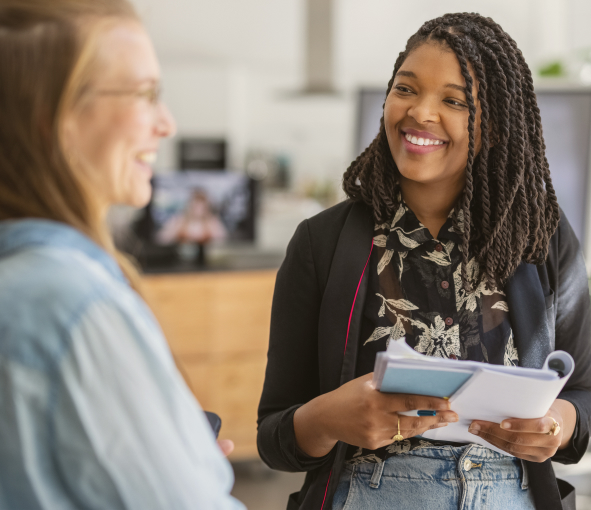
201, 154
201, 207
370, 103
566, 121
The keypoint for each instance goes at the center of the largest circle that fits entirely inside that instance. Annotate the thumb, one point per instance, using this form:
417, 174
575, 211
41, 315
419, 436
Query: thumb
226, 445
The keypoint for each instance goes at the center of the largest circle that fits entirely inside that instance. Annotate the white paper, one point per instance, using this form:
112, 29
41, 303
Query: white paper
494, 393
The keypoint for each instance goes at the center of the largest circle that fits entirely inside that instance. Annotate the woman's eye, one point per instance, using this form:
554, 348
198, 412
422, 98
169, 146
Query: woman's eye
402, 88
456, 103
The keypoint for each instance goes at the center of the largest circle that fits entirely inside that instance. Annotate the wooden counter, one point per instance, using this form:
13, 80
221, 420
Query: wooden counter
217, 325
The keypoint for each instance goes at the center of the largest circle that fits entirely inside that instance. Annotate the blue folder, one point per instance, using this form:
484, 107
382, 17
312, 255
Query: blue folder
433, 383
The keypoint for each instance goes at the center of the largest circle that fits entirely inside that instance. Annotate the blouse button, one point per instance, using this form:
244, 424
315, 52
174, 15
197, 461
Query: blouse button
444, 285
438, 247
449, 321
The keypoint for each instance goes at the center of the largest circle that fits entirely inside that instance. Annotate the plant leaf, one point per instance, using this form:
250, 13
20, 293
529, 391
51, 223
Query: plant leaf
385, 260
501, 305
407, 241
401, 304
380, 241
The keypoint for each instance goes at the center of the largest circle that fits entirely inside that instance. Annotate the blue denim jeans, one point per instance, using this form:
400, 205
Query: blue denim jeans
436, 478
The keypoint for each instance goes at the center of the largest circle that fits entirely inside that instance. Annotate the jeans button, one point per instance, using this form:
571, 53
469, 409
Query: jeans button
467, 465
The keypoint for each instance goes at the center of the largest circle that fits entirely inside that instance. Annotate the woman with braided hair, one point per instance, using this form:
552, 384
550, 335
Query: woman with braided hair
451, 237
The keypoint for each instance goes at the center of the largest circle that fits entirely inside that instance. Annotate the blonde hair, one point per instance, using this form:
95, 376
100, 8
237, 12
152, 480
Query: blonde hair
47, 56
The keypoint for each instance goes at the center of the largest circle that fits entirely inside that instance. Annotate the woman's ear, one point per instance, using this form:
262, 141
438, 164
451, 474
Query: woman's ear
69, 129
67, 134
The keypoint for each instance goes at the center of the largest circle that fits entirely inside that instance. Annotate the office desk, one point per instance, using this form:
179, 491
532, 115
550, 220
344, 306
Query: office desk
217, 325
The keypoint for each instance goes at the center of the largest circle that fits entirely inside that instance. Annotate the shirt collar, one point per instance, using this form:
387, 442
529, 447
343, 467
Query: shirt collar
408, 233
16, 235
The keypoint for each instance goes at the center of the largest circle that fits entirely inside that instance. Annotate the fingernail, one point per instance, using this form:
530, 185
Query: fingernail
439, 425
474, 429
444, 406
505, 425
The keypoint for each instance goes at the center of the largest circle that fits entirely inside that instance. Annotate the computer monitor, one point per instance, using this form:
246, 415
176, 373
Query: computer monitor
370, 103
566, 121
192, 209
202, 154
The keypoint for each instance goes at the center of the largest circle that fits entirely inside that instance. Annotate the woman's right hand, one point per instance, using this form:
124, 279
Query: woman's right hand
358, 414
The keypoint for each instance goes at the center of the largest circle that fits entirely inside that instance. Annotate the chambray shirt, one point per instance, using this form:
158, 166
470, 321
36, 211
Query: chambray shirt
93, 412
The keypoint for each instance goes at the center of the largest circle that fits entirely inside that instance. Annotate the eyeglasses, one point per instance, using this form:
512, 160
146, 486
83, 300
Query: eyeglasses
152, 95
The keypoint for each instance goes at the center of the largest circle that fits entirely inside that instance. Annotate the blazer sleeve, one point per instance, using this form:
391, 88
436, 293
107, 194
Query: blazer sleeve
291, 377
573, 334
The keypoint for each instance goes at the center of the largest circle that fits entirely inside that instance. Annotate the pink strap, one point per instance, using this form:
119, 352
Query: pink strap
347, 341
355, 298
326, 490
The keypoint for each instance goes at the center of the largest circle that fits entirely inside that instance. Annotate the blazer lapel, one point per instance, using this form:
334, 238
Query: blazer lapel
527, 311
338, 323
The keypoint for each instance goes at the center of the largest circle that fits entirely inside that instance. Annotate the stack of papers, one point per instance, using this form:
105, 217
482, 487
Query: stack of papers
476, 391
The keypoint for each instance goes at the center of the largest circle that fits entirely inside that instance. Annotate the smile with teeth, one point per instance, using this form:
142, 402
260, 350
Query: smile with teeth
148, 158
422, 141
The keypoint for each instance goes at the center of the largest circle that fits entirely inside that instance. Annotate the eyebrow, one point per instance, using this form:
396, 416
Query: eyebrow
151, 81
410, 74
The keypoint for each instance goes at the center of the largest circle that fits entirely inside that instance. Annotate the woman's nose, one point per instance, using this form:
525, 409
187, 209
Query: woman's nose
165, 124
424, 110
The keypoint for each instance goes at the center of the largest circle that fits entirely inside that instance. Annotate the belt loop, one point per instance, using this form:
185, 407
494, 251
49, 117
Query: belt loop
524, 477
376, 477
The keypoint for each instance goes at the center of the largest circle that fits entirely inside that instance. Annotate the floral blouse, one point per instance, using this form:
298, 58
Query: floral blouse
415, 290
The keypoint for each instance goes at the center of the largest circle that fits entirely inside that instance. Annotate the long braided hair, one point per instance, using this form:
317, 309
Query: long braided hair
509, 207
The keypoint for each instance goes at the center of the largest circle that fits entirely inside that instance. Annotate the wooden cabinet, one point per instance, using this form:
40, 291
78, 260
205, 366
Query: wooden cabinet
217, 325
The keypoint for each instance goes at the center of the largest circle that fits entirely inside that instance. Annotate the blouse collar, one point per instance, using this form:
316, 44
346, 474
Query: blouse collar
408, 233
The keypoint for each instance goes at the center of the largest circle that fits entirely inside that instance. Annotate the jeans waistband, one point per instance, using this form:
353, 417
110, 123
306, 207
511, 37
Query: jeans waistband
470, 462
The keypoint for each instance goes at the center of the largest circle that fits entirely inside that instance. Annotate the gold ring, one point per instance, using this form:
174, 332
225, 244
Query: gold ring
555, 429
398, 437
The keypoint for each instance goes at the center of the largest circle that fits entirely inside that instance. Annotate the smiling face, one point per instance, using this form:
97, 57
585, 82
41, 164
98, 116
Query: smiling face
113, 135
426, 118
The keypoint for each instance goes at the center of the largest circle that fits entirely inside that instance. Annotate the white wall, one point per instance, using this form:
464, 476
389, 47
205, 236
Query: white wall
230, 67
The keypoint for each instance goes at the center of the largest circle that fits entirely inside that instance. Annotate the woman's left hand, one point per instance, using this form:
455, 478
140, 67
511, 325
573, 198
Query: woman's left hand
529, 439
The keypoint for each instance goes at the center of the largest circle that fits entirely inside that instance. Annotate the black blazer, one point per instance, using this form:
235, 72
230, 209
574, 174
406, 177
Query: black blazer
315, 327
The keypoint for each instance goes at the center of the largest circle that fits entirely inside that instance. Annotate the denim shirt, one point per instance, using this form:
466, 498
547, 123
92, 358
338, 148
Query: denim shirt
93, 412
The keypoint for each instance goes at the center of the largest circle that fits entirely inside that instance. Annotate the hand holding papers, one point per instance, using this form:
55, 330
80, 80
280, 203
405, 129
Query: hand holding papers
476, 391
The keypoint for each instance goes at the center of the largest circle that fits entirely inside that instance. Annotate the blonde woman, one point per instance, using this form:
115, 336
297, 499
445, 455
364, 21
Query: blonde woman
93, 412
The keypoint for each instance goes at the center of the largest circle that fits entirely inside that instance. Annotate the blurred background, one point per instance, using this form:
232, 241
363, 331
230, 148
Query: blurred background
273, 99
